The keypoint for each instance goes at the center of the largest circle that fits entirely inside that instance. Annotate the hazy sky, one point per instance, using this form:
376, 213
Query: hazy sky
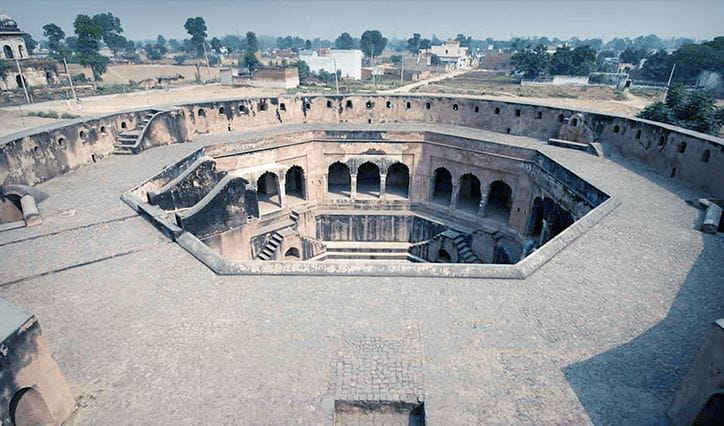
144, 19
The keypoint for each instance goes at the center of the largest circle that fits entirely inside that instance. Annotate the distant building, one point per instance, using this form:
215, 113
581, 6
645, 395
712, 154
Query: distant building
451, 55
36, 72
277, 77
11, 39
349, 62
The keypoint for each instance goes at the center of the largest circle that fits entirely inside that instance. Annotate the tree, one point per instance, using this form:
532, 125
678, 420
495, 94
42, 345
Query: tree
196, 27
251, 42
578, 61
692, 59
464, 41
89, 34
111, 31
657, 67
160, 40
215, 45
396, 59
30, 43
633, 56
303, 70
344, 41
250, 61
425, 43
153, 52
54, 34
675, 97
532, 63
372, 43
413, 43
695, 110
308, 44
175, 45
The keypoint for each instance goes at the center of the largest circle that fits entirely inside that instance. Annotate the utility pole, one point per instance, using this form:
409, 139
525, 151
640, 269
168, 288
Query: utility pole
668, 83
336, 80
208, 67
70, 80
402, 70
22, 80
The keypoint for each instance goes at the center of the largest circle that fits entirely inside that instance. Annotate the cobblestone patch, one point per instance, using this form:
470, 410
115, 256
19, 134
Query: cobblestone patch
376, 368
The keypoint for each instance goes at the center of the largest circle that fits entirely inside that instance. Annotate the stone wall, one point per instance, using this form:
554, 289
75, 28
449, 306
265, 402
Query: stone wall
688, 156
39, 154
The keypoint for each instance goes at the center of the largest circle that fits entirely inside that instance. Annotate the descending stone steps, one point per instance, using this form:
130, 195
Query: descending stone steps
271, 246
127, 140
465, 254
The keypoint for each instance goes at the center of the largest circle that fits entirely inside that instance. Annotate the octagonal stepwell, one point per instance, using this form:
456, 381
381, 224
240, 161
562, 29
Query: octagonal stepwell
349, 202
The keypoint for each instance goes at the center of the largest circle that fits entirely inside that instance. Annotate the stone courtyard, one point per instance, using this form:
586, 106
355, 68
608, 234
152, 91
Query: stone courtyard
602, 333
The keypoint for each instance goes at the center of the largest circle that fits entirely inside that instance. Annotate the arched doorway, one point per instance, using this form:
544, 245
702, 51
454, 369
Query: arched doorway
398, 180
21, 81
294, 184
442, 186
267, 190
27, 407
500, 200
368, 179
8, 52
292, 254
338, 179
443, 256
21, 53
469, 195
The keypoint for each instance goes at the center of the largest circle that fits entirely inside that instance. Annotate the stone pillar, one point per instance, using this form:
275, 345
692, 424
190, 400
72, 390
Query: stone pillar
31, 214
454, 197
545, 233
281, 191
383, 185
481, 206
353, 185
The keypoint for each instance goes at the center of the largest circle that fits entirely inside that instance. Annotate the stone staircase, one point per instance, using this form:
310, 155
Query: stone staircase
127, 140
271, 246
465, 254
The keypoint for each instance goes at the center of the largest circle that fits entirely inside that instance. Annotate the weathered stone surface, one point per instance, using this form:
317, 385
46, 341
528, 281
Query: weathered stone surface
228, 205
32, 388
602, 333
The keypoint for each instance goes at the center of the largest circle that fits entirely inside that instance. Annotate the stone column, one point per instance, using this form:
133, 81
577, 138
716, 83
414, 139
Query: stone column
383, 185
353, 185
545, 233
454, 197
281, 190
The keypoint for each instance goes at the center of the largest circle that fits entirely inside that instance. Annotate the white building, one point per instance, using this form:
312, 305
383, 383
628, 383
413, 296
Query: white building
349, 62
11, 39
451, 54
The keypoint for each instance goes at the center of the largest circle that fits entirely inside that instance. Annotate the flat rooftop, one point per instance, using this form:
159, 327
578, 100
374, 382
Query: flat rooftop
602, 333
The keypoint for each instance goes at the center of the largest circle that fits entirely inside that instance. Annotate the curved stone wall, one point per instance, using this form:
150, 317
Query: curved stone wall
40, 154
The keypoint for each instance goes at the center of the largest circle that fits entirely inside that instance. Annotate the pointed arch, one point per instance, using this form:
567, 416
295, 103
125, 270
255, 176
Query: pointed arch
339, 179
441, 186
470, 195
368, 179
499, 202
398, 180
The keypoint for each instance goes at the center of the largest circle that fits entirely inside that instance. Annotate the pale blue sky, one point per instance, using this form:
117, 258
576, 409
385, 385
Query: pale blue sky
143, 19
